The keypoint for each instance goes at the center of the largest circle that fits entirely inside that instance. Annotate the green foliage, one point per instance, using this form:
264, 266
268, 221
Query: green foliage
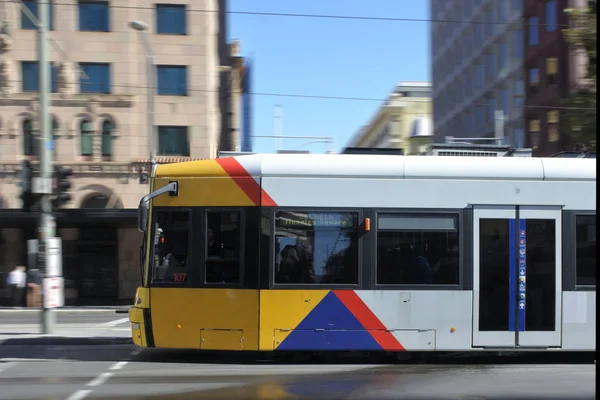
581, 117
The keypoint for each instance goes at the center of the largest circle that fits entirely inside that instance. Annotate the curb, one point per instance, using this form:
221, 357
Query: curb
65, 341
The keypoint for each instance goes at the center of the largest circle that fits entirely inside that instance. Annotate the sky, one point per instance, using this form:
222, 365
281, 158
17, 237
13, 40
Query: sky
327, 57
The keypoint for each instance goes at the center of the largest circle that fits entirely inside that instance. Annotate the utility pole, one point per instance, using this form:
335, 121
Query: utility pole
47, 227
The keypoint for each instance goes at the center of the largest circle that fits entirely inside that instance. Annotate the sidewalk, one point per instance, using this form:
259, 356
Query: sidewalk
82, 309
65, 335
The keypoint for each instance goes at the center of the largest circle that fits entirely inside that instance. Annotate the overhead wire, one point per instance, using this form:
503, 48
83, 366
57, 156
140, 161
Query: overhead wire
321, 16
332, 16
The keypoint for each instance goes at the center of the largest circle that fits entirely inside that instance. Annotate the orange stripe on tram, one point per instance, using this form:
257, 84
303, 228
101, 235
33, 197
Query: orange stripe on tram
246, 182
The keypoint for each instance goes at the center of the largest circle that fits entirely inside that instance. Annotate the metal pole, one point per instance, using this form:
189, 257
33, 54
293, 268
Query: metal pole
499, 127
47, 225
152, 85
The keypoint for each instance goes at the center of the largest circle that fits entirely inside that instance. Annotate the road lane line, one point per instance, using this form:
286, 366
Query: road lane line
80, 394
115, 322
100, 379
118, 366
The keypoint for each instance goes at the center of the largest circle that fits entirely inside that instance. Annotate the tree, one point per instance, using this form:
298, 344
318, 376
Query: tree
580, 116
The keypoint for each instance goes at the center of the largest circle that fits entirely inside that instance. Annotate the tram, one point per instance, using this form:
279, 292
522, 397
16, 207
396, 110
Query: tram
355, 252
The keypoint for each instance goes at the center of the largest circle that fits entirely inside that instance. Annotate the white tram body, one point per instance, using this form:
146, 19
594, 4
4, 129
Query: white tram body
524, 261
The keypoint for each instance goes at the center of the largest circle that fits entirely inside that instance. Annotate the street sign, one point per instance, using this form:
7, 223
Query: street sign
41, 186
53, 257
54, 292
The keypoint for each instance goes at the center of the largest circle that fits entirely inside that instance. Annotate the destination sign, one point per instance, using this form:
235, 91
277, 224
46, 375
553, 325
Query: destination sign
315, 219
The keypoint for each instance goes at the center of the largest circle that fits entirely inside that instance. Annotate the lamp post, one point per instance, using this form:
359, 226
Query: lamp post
142, 27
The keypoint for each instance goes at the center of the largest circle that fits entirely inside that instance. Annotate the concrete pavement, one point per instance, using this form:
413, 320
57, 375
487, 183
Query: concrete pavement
109, 372
72, 327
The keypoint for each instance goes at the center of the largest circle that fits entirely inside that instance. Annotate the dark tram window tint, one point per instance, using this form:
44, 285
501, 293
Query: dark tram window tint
541, 275
417, 250
171, 245
223, 247
494, 259
316, 247
585, 236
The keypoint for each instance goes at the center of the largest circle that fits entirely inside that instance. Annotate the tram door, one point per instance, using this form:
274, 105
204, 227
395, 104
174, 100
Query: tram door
517, 276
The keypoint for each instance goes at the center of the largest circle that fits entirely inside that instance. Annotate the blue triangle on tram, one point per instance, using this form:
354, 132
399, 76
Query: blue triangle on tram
329, 326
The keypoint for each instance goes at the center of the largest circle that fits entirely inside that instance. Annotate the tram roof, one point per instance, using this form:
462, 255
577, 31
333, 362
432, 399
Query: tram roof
387, 167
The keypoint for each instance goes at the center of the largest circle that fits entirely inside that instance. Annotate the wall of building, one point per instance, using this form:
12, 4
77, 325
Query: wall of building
116, 176
392, 123
551, 72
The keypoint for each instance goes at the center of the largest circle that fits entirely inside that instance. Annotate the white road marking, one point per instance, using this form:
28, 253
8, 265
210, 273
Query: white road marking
100, 379
78, 395
115, 322
136, 352
4, 367
118, 365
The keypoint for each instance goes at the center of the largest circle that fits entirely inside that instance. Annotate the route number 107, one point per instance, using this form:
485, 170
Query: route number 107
180, 276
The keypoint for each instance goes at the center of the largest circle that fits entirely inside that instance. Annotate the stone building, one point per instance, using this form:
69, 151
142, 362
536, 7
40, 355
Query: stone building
99, 107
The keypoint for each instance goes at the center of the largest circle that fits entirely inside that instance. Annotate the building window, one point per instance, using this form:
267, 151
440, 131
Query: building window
98, 75
107, 128
552, 71
517, 6
519, 138
171, 247
502, 56
552, 118
518, 45
585, 253
534, 133
534, 80
503, 10
417, 250
491, 66
316, 248
29, 140
551, 16
223, 247
30, 75
519, 92
173, 141
87, 137
172, 80
55, 130
94, 16
31, 5
533, 29
489, 22
171, 19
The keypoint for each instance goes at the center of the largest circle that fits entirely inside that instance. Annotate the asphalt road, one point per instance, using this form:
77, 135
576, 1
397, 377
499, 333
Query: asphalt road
112, 372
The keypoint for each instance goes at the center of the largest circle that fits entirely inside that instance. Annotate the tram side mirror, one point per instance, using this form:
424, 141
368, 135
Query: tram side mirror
143, 216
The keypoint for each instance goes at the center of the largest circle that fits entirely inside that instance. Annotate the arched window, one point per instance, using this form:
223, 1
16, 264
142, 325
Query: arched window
29, 145
96, 201
107, 128
87, 138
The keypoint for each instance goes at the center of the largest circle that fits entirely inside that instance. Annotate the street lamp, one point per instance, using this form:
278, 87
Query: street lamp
142, 27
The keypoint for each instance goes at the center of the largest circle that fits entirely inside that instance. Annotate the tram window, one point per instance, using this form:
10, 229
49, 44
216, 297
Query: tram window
223, 247
417, 250
316, 247
585, 237
171, 247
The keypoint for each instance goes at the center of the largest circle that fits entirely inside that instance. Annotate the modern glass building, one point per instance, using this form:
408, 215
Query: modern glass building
477, 50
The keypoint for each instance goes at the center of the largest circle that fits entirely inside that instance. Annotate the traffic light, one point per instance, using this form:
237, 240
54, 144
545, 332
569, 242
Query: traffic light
25, 181
63, 185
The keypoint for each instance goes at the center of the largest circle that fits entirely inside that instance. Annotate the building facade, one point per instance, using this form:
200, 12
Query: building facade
553, 71
99, 108
477, 68
402, 122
